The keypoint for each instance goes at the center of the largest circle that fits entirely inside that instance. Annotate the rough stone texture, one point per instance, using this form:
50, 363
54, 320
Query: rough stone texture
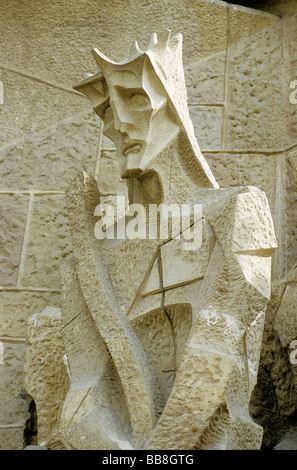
233, 169
48, 243
254, 76
12, 438
44, 160
274, 400
24, 95
240, 60
15, 309
189, 366
273, 173
208, 125
13, 215
17, 306
108, 174
85, 25
290, 64
219, 330
12, 380
46, 377
205, 54
274, 403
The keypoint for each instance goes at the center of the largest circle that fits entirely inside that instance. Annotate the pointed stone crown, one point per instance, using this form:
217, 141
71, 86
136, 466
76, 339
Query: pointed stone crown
165, 56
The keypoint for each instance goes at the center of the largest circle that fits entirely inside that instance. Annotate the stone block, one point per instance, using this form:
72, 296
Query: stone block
205, 52
12, 392
245, 169
50, 158
286, 317
31, 106
290, 69
273, 175
46, 371
49, 242
205, 79
208, 123
86, 25
245, 22
13, 216
11, 438
255, 92
16, 307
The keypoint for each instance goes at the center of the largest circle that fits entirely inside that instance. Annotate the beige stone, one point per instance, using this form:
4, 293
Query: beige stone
290, 58
208, 125
86, 24
22, 96
273, 402
46, 378
48, 242
102, 415
239, 63
188, 361
11, 438
37, 166
273, 173
108, 174
180, 266
13, 218
15, 309
12, 390
245, 169
17, 306
254, 79
285, 321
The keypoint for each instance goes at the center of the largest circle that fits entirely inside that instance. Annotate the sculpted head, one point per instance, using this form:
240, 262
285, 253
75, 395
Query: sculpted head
142, 102
136, 117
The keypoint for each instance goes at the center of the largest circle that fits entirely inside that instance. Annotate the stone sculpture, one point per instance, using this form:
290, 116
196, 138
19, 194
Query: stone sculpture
274, 400
163, 342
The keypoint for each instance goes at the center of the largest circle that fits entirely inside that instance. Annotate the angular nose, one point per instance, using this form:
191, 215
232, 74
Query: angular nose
122, 122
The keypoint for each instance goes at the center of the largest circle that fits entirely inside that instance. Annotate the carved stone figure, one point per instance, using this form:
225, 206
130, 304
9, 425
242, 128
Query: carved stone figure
163, 342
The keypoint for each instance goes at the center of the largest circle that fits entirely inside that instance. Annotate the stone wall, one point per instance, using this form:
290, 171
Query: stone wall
239, 64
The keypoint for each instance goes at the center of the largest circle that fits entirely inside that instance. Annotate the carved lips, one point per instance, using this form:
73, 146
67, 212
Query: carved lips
134, 148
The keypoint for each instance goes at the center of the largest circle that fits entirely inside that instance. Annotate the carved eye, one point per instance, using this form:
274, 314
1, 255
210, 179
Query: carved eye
107, 117
139, 101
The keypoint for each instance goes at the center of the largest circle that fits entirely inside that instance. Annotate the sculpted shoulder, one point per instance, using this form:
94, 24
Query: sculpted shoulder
240, 218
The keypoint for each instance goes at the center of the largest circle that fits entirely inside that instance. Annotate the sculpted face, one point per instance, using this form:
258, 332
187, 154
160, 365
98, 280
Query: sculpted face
137, 118
143, 104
